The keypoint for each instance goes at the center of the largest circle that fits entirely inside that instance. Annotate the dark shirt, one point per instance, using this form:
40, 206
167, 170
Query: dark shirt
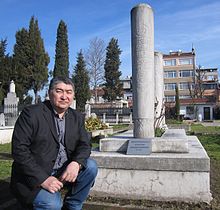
62, 155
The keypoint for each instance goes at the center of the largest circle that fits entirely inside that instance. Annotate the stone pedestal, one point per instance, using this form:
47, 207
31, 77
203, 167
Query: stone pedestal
158, 176
142, 36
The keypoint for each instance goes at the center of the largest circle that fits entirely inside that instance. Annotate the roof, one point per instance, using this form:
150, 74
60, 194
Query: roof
196, 101
178, 53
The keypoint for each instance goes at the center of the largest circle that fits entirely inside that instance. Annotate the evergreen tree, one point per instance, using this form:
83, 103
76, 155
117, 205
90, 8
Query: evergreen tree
21, 63
61, 67
5, 70
81, 81
113, 87
177, 102
39, 59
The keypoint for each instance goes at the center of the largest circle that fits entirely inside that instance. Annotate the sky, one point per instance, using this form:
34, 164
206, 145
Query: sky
178, 25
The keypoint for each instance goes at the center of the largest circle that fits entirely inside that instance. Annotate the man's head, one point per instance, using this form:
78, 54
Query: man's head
61, 93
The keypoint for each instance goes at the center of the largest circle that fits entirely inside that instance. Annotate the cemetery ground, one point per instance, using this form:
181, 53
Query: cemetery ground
209, 137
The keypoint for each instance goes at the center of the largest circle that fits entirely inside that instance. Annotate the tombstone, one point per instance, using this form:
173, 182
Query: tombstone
142, 36
88, 110
2, 119
11, 106
178, 168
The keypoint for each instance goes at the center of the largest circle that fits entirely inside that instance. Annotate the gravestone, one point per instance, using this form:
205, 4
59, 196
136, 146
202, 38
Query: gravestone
142, 42
2, 119
11, 106
178, 168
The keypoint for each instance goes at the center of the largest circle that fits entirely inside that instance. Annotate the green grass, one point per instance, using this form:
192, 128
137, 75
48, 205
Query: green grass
211, 144
200, 129
120, 127
5, 148
5, 169
173, 121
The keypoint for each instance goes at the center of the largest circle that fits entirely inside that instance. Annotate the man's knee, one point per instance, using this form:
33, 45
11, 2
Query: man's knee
55, 205
47, 200
92, 167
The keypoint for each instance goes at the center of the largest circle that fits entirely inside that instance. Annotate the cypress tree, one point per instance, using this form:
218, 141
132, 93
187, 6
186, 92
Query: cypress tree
81, 81
61, 67
21, 63
177, 102
39, 59
5, 70
113, 87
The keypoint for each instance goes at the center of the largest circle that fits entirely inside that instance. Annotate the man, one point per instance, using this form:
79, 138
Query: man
51, 148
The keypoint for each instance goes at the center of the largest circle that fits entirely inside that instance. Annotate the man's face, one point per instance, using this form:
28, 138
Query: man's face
61, 96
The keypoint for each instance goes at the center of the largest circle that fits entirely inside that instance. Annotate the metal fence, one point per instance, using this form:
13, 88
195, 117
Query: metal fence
113, 115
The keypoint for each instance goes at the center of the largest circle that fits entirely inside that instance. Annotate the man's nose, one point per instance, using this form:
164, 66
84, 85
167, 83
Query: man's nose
63, 95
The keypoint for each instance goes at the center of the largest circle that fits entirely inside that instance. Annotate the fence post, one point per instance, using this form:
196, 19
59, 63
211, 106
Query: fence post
130, 117
117, 118
104, 117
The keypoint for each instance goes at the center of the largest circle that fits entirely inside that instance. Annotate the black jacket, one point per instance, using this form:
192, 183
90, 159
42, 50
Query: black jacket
35, 147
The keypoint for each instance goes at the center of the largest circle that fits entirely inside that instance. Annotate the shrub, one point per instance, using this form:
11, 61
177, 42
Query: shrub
92, 124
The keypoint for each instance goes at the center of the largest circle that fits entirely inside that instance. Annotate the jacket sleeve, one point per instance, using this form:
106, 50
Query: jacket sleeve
83, 148
22, 139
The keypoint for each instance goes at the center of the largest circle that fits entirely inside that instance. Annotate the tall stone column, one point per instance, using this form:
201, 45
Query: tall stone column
142, 38
159, 89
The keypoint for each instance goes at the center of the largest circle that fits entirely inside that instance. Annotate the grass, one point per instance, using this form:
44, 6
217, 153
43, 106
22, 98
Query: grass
173, 121
199, 129
5, 161
211, 144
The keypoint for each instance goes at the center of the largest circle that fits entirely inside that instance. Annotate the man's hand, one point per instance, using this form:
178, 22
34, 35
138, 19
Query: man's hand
70, 173
52, 184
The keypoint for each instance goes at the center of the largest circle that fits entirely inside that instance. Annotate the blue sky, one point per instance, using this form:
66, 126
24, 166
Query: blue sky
178, 24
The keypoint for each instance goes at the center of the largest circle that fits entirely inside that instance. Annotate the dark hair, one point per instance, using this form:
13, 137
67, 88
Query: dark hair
59, 79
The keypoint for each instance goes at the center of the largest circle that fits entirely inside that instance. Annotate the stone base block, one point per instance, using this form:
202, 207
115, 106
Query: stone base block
174, 140
158, 176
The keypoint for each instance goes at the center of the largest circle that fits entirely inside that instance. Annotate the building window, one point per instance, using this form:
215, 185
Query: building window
209, 86
169, 86
186, 73
186, 86
210, 77
185, 61
169, 98
169, 74
189, 110
171, 62
184, 97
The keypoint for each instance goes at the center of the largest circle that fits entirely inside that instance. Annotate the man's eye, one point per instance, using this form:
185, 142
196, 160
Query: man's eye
59, 91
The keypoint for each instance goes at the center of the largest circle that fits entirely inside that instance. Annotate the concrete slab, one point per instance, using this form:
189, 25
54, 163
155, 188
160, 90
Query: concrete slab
174, 141
158, 176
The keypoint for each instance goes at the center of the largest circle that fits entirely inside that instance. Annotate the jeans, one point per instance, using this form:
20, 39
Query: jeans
76, 195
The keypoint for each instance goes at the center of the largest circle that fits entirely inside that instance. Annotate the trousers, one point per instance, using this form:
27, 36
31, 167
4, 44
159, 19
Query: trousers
77, 192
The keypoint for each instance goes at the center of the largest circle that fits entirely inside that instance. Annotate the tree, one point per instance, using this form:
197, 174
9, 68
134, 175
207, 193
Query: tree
5, 69
61, 67
196, 88
39, 59
21, 64
113, 87
30, 61
95, 58
177, 102
81, 81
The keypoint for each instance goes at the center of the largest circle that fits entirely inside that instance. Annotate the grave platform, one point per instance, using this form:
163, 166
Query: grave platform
160, 176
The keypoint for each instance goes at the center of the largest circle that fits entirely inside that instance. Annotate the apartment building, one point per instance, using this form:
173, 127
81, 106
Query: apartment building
198, 87
179, 69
